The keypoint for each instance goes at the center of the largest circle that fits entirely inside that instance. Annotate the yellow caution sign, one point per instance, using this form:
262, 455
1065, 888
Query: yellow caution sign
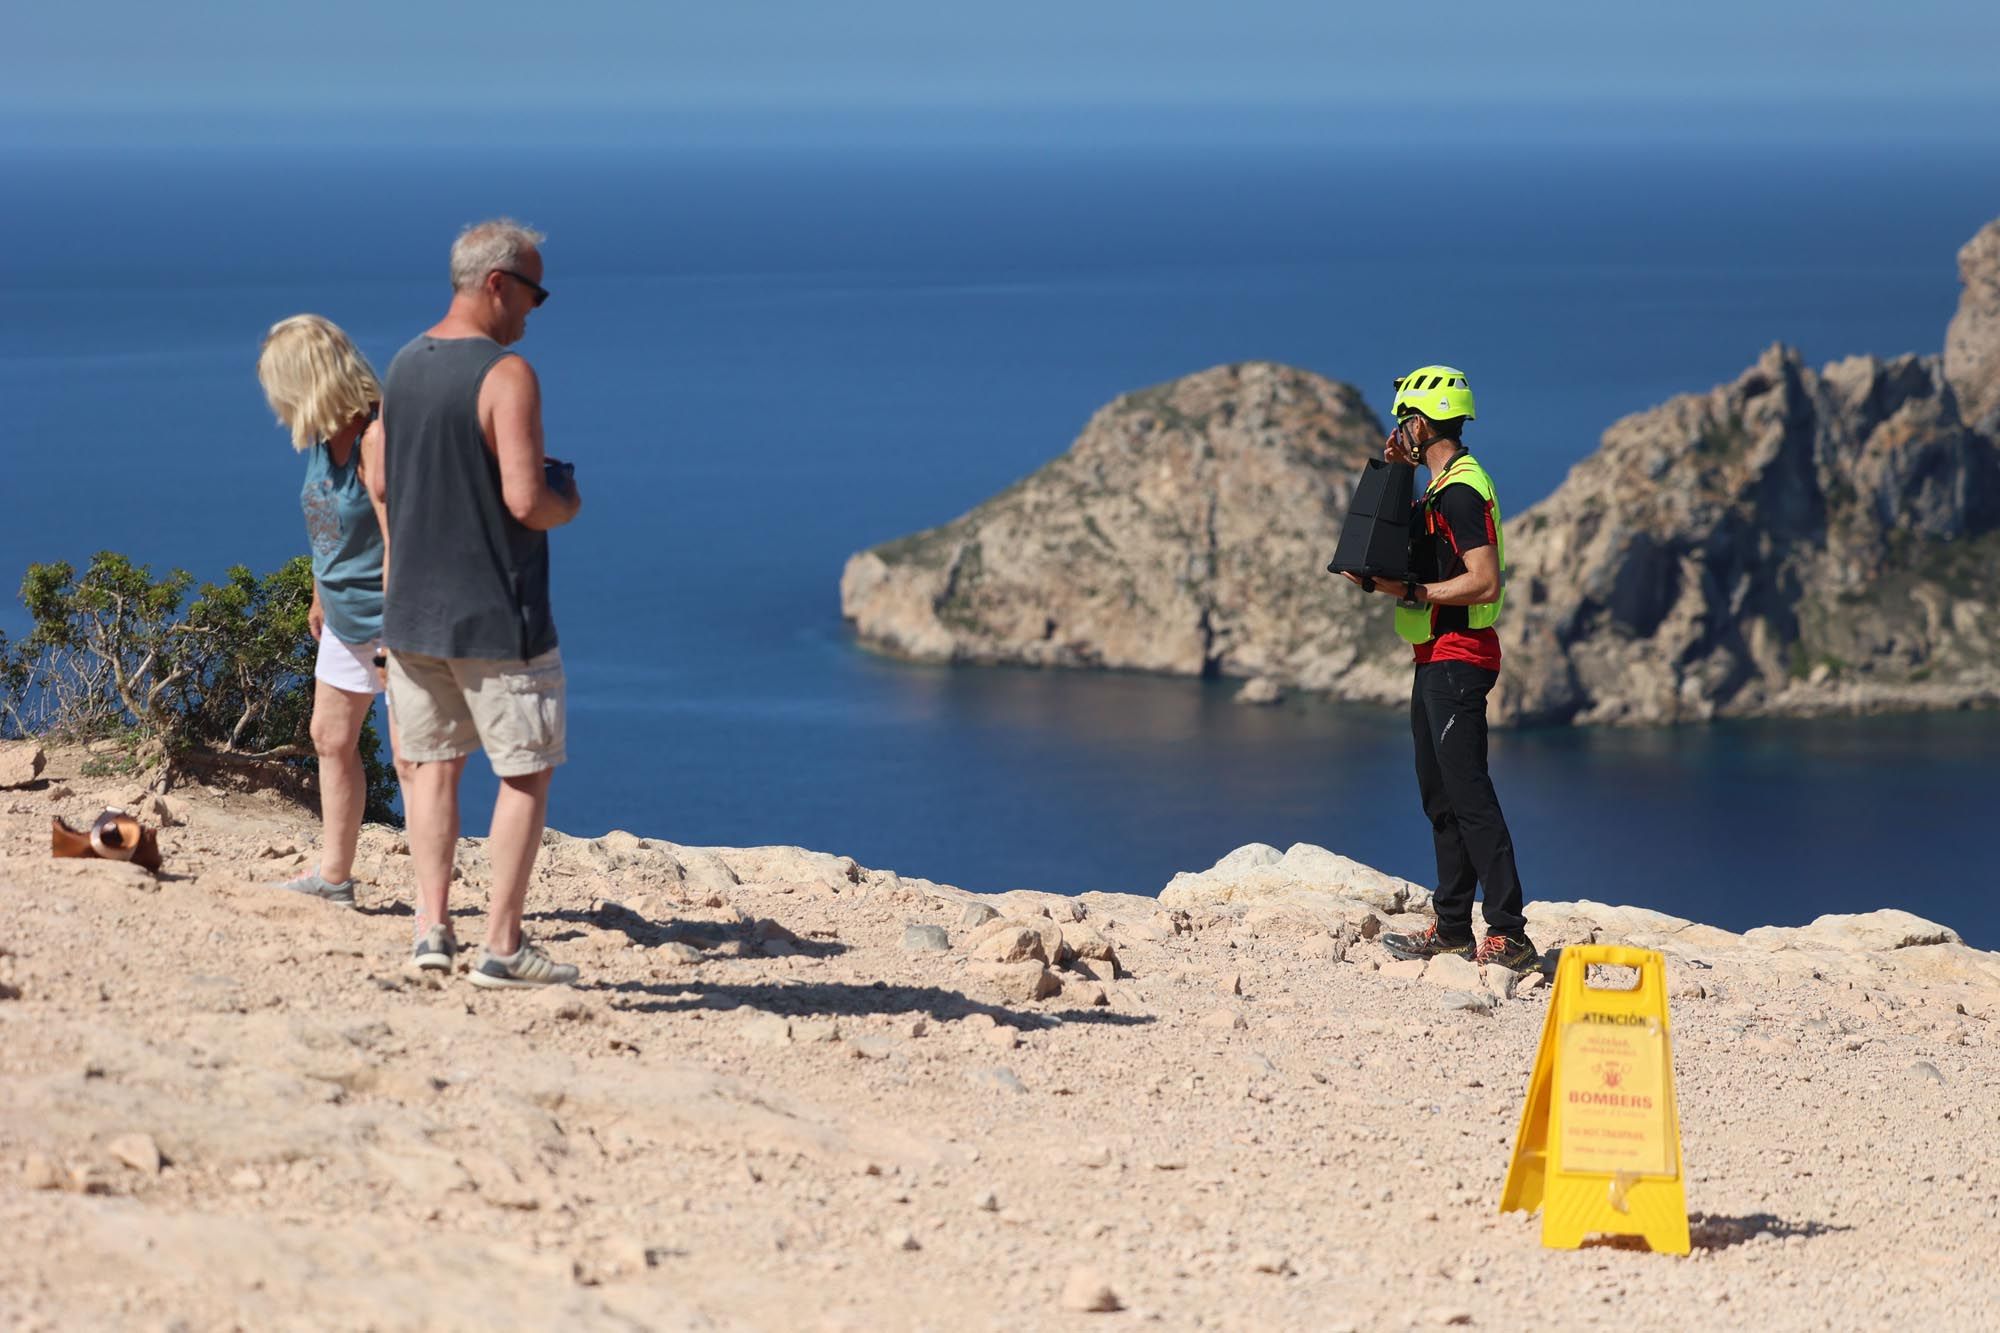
1599, 1149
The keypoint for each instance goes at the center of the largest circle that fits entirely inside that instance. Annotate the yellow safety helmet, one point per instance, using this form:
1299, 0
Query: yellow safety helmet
1439, 392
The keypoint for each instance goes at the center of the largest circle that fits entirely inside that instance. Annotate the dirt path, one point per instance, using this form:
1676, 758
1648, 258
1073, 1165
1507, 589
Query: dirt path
771, 1106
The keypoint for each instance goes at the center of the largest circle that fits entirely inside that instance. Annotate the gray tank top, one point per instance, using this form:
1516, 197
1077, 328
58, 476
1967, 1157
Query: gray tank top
466, 579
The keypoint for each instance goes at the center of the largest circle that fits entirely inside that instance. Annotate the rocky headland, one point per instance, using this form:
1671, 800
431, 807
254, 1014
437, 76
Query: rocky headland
1796, 541
1186, 532
795, 1092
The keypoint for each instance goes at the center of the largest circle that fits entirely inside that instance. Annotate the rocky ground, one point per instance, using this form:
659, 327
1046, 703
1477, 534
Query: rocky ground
777, 1103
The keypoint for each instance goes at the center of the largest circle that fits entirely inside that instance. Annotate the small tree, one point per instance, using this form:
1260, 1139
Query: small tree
229, 681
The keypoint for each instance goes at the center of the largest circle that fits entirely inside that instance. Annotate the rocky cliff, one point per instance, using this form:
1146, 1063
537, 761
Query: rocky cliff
1972, 344
1186, 531
1798, 540
1795, 541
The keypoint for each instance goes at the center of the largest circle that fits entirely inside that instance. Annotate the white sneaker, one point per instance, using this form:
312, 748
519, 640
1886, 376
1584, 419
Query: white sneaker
340, 895
528, 967
434, 950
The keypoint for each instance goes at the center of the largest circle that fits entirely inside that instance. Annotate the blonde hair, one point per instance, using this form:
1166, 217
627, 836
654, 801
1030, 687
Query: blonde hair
315, 378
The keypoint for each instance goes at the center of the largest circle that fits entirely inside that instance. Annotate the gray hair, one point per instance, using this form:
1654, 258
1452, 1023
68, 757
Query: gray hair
485, 246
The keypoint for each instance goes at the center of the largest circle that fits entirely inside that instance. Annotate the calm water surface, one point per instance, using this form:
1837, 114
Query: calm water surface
763, 361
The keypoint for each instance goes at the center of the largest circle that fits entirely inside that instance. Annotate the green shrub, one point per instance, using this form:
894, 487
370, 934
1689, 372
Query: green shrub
224, 678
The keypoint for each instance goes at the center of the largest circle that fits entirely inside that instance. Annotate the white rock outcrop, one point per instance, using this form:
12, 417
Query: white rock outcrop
1304, 875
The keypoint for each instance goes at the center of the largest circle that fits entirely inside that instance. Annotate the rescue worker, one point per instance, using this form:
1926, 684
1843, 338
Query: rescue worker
1447, 613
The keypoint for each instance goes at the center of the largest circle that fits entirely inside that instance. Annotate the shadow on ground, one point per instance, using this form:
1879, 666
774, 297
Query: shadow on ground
839, 998
757, 937
1711, 1231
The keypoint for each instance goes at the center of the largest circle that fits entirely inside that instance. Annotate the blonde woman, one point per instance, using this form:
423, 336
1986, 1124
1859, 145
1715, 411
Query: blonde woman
326, 394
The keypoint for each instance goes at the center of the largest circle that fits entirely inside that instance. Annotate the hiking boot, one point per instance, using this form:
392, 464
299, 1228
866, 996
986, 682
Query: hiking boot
434, 950
527, 967
1428, 943
1514, 951
340, 895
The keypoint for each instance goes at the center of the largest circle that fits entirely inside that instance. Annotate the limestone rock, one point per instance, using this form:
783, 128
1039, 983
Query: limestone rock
1007, 943
1865, 932
1084, 941
137, 1151
157, 810
1250, 856
21, 763
925, 939
612, 1259
703, 871
790, 865
763, 1029
1186, 532
872, 1046
1086, 1292
1453, 973
1341, 890
1047, 944
1718, 550
1020, 983
999, 1076
1085, 991
39, 1172
1328, 948
1097, 969
1972, 343
1260, 692
975, 915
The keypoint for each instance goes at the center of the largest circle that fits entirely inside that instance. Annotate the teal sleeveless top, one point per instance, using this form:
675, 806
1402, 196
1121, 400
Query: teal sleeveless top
346, 545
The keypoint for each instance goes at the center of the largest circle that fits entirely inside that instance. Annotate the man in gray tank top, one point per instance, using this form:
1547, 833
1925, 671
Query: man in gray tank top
473, 661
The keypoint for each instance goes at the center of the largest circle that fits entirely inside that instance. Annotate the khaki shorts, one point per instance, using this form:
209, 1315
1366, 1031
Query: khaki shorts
447, 707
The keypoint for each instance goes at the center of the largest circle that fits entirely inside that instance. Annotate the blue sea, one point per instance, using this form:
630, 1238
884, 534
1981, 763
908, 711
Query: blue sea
764, 357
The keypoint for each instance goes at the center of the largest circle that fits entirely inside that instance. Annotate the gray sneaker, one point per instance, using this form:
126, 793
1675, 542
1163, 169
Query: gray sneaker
529, 967
434, 950
340, 895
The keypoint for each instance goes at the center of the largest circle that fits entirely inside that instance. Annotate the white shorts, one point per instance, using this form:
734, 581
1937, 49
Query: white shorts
348, 666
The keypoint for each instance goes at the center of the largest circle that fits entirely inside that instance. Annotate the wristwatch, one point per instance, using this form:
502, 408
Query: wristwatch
1413, 597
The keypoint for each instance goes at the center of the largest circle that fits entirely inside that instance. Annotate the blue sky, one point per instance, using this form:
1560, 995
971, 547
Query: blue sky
508, 56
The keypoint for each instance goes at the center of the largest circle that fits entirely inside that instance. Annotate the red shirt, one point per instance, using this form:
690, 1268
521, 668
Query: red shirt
1481, 647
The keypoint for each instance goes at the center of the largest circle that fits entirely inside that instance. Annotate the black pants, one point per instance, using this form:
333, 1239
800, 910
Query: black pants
1448, 724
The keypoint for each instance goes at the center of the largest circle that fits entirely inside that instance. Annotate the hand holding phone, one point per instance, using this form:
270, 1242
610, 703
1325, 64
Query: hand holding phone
560, 476
1400, 449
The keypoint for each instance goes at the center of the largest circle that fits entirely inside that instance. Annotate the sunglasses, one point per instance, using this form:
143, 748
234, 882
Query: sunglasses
541, 292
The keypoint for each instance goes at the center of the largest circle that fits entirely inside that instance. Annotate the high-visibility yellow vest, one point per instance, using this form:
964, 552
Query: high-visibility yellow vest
1415, 624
